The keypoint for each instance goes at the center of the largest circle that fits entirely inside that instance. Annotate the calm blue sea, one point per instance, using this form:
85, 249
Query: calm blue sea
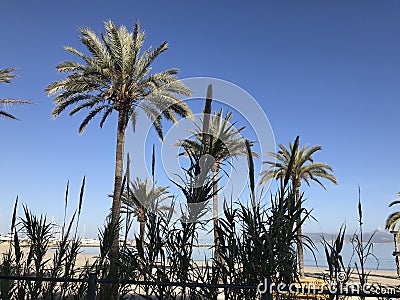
383, 260
383, 253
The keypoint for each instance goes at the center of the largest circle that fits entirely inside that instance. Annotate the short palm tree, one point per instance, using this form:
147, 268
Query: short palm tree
143, 196
116, 77
6, 75
222, 141
304, 168
394, 218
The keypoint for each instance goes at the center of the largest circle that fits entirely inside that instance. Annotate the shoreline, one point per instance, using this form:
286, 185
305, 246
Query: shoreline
384, 277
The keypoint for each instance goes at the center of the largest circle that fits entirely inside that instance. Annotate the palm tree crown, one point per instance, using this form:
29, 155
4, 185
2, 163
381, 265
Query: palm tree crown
304, 166
116, 77
6, 75
144, 196
223, 140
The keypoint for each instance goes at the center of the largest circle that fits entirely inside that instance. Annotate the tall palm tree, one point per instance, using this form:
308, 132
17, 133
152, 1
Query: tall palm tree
6, 75
144, 196
222, 141
116, 77
304, 168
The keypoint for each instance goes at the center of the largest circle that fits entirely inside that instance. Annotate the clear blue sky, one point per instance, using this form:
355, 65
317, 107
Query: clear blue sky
328, 71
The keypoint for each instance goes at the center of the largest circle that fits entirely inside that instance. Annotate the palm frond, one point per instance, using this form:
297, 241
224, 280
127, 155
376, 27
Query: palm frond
6, 75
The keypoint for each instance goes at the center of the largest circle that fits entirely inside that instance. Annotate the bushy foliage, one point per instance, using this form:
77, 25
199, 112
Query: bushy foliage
262, 246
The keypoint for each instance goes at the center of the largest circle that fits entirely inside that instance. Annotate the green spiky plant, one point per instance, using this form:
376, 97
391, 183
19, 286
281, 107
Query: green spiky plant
362, 251
362, 248
304, 169
257, 242
10, 263
34, 262
128, 212
197, 188
338, 272
152, 256
38, 231
67, 249
6, 75
115, 77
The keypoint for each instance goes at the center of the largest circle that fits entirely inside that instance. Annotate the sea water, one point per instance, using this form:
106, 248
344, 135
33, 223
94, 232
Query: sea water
382, 259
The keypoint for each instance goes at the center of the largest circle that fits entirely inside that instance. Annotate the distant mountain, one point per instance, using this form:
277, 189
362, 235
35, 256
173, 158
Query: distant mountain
382, 237
378, 236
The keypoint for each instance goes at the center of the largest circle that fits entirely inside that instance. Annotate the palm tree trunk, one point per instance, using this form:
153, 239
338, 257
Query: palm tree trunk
142, 223
300, 252
215, 206
142, 230
116, 204
396, 250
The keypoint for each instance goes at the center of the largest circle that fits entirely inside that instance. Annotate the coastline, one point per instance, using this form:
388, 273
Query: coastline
383, 277
386, 278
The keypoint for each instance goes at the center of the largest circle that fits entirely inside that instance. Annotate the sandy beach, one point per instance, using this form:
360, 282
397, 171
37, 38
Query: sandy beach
387, 278
82, 258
